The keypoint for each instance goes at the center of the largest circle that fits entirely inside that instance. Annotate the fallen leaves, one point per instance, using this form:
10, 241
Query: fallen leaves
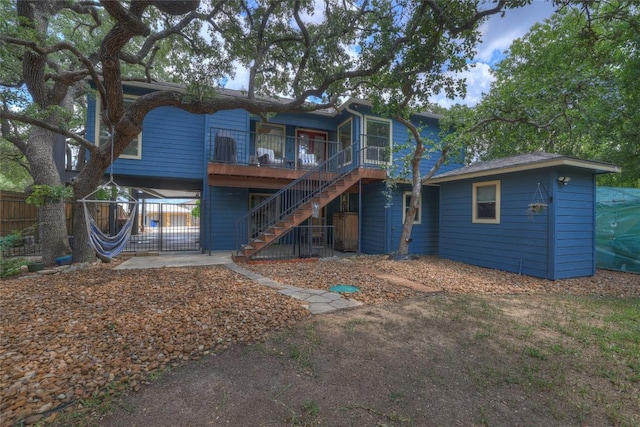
67, 337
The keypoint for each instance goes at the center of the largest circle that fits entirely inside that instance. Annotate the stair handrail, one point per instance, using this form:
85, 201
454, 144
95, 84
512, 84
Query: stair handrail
335, 164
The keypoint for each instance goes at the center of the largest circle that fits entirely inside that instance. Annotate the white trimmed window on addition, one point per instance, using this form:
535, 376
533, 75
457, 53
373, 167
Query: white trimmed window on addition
134, 149
377, 141
406, 202
486, 202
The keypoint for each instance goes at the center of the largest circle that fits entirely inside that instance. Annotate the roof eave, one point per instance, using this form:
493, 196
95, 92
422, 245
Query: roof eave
237, 93
599, 168
366, 103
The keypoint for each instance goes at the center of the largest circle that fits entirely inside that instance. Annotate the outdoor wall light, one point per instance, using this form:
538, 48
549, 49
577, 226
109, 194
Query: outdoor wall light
564, 180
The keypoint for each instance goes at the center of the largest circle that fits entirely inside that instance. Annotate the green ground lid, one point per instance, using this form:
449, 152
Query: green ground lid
344, 288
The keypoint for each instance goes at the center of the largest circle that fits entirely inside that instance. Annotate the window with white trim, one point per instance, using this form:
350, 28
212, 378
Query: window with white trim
486, 202
345, 140
406, 202
377, 140
134, 149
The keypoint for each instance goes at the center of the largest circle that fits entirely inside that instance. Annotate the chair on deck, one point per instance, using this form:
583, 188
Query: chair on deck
267, 156
225, 149
307, 160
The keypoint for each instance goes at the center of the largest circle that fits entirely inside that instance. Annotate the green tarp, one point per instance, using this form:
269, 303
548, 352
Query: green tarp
618, 228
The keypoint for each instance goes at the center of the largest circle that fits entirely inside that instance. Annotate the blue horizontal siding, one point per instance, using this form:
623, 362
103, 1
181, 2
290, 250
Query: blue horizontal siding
430, 134
555, 244
172, 144
520, 243
227, 206
424, 236
374, 222
306, 121
234, 120
575, 225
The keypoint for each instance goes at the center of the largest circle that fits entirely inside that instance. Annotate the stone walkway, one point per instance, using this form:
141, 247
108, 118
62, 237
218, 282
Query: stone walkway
317, 301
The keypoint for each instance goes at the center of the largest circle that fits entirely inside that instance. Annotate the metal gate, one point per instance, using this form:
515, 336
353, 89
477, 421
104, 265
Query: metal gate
165, 227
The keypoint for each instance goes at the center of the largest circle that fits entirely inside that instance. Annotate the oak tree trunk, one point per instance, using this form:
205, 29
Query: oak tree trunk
53, 228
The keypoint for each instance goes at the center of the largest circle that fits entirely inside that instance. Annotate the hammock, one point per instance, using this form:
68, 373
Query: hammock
107, 246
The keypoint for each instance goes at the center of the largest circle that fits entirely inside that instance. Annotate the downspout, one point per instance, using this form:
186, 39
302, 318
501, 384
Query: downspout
360, 150
205, 194
551, 225
359, 216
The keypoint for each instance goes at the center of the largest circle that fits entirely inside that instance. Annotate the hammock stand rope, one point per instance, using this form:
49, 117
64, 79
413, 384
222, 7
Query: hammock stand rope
106, 246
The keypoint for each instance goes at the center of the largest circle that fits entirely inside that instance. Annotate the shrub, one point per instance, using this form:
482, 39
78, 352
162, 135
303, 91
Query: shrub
10, 266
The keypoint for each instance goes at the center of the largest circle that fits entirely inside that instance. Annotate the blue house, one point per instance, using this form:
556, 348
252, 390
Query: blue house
304, 182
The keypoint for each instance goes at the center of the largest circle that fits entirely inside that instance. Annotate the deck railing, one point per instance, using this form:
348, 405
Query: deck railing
303, 241
263, 149
293, 196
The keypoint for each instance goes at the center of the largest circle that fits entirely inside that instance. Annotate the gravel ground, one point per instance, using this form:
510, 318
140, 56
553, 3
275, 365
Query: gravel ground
436, 273
68, 337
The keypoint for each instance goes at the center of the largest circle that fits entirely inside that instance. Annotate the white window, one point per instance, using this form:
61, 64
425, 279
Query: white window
134, 149
406, 202
270, 139
345, 140
486, 202
377, 140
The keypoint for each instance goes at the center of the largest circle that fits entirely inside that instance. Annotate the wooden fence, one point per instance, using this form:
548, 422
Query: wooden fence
18, 215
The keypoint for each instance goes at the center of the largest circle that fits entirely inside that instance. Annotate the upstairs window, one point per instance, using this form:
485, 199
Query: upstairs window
270, 139
134, 149
486, 202
377, 140
345, 140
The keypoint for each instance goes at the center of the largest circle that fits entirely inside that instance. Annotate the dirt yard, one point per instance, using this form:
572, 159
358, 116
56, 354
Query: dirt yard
488, 350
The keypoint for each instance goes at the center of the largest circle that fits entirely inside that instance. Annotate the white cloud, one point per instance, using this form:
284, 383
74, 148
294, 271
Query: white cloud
498, 32
315, 17
240, 80
478, 78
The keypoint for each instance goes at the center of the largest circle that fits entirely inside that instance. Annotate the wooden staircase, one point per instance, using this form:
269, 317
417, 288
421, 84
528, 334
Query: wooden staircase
301, 214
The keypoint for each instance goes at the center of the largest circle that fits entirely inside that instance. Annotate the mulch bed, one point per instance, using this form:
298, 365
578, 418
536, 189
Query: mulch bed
435, 273
68, 337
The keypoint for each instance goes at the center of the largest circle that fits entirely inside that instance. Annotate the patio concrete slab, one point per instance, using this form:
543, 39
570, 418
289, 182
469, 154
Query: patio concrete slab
173, 260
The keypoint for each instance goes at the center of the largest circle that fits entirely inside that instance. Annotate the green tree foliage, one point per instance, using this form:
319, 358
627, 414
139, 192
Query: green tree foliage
14, 168
570, 86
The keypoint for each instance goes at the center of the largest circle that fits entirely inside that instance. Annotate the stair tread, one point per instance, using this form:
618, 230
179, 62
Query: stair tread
322, 197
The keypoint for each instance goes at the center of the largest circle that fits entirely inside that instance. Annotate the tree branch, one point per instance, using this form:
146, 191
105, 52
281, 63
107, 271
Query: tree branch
483, 123
444, 152
260, 51
307, 46
10, 115
44, 51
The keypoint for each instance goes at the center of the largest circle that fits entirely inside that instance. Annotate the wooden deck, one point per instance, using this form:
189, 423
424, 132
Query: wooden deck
245, 176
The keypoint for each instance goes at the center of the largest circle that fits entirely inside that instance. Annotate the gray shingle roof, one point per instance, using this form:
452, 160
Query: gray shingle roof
533, 160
